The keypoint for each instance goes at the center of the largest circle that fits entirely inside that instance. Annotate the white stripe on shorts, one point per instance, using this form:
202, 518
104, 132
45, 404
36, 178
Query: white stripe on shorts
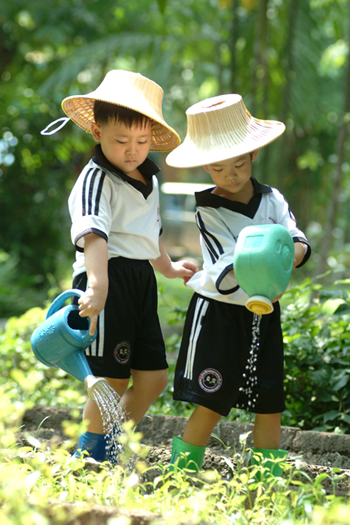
199, 312
101, 333
100, 339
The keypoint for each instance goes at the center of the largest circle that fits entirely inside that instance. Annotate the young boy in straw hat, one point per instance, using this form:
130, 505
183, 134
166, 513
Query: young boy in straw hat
212, 366
114, 207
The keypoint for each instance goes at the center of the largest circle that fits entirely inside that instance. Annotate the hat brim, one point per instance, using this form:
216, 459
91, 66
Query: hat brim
192, 155
80, 110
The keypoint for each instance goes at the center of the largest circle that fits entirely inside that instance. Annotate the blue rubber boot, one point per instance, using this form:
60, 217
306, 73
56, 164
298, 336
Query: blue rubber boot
186, 456
112, 445
91, 445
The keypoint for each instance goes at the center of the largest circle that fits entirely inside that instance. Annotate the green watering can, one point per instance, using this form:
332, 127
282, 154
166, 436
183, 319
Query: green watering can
262, 263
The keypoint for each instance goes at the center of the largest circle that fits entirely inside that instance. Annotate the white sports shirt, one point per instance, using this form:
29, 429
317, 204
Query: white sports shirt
220, 221
120, 209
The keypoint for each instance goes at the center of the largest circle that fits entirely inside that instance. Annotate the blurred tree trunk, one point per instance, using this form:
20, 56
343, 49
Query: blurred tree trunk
260, 81
288, 58
260, 77
232, 46
7, 51
333, 204
289, 75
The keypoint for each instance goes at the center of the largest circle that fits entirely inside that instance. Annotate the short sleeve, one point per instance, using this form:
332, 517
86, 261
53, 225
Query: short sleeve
90, 206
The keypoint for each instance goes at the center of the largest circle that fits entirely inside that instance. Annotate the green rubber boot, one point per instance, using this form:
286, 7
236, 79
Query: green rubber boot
186, 456
270, 460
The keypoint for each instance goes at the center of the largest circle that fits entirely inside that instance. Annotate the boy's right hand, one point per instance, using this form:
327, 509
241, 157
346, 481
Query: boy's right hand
96, 259
91, 304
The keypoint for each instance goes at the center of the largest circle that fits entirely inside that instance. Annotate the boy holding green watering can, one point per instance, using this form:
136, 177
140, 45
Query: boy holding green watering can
114, 207
212, 366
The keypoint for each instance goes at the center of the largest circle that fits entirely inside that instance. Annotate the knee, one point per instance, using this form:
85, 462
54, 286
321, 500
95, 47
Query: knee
162, 381
159, 382
119, 385
150, 383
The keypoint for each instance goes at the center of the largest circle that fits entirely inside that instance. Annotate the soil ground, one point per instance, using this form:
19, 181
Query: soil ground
314, 453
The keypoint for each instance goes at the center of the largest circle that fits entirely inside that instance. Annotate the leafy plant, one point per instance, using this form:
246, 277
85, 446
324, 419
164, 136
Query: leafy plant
39, 486
26, 378
317, 357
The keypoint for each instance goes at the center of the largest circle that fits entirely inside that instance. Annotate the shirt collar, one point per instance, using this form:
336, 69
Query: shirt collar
147, 169
260, 188
207, 198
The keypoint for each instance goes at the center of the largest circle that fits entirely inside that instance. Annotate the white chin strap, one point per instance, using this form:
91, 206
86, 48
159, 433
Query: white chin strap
46, 131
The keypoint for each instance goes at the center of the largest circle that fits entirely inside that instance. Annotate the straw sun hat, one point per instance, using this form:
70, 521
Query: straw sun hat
130, 90
221, 128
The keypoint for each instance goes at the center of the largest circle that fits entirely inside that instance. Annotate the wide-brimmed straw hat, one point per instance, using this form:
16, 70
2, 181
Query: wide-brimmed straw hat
130, 90
221, 128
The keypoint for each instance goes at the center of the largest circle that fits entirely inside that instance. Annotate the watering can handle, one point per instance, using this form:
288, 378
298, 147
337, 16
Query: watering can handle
61, 299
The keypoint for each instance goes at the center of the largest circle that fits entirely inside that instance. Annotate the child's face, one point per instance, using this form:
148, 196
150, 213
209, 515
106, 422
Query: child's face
232, 176
125, 148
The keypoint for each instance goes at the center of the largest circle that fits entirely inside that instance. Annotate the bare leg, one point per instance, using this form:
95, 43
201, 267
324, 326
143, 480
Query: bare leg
267, 431
91, 410
147, 386
200, 426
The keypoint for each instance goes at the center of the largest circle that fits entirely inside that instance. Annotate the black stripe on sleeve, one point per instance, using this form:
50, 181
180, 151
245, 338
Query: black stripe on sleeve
99, 192
91, 190
214, 247
91, 205
83, 193
221, 278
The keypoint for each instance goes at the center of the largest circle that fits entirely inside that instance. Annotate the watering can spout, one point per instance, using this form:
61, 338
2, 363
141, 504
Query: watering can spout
91, 382
61, 339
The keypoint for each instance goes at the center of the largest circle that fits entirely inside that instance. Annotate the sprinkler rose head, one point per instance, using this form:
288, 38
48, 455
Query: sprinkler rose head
91, 382
260, 305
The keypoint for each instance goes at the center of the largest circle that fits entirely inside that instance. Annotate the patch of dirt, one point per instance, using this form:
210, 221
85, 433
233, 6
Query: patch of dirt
312, 453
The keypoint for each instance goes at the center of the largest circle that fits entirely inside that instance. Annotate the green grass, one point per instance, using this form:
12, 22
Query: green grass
173, 295
35, 481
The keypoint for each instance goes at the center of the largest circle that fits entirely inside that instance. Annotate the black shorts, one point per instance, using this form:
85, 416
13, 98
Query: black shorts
129, 334
213, 366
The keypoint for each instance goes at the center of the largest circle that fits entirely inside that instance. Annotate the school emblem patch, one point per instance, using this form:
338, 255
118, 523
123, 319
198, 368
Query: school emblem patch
122, 352
210, 380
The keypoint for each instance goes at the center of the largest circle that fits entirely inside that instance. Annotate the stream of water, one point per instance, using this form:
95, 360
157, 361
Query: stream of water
113, 417
250, 374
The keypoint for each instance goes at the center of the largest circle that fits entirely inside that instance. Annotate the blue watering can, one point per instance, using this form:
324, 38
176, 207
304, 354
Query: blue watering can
263, 263
61, 339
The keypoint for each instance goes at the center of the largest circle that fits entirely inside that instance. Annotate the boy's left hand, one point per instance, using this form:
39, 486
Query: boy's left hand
183, 269
299, 253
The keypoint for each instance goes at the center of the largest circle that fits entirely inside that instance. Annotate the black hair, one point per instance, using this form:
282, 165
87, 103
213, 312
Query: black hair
105, 111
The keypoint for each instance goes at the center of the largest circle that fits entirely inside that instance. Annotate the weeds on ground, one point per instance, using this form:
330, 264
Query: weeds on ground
38, 482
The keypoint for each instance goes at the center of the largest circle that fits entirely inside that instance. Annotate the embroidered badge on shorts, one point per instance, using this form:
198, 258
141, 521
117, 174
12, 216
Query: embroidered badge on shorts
210, 380
122, 352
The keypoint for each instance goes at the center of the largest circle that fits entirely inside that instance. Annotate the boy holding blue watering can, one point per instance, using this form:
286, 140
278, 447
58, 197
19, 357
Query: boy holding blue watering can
215, 354
114, 207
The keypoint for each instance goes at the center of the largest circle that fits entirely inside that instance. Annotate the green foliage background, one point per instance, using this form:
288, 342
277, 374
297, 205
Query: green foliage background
288, 59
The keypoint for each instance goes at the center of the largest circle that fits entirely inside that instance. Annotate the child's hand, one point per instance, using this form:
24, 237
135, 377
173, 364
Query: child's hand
299, 253
91, 304
183, 269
